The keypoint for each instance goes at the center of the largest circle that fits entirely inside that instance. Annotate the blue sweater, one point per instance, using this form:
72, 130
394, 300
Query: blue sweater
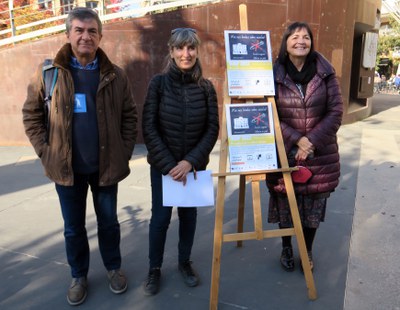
85, 136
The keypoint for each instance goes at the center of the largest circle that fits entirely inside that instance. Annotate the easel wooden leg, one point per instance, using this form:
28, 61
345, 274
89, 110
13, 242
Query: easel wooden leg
218, 234
255, 186
242, 195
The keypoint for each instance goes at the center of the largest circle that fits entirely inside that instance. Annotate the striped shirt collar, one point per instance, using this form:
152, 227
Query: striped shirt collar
90, 66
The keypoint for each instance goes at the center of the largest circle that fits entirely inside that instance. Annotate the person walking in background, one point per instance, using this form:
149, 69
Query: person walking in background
180, 128
397, 82
383, 82
377, 83
310, 109
89, 141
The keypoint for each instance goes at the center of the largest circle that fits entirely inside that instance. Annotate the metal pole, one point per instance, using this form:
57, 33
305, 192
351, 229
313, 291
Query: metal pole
12, 24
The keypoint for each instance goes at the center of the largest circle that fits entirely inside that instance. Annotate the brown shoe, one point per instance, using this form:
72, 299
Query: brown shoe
77, 291
118, 282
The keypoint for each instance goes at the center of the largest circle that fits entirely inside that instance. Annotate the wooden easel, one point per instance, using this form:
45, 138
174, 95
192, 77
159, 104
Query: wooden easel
254, 177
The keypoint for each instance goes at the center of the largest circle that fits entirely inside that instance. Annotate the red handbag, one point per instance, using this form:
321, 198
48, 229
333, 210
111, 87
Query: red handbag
302, 175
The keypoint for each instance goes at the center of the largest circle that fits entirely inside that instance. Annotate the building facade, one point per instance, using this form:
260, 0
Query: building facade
344, 31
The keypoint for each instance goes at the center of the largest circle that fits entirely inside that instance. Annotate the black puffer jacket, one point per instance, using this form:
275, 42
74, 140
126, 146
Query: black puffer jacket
318, 117
180, 121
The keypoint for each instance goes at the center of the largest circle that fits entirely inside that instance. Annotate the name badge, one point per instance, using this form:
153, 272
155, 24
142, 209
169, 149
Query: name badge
80, 103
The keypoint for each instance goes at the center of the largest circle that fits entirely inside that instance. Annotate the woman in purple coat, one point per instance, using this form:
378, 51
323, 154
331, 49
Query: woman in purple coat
310, 109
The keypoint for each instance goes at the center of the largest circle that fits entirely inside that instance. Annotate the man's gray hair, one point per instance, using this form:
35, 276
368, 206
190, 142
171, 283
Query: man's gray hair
81, 14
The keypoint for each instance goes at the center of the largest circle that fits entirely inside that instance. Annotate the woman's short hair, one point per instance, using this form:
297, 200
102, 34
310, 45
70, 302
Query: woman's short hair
292, 28
82, 13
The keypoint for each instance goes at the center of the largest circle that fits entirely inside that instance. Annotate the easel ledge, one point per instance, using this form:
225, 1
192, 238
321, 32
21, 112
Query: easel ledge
222, 174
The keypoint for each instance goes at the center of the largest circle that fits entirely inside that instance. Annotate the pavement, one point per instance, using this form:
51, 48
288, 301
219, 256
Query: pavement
355, 249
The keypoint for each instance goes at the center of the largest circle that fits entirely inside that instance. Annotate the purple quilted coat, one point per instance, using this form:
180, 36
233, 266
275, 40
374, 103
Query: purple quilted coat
318, 117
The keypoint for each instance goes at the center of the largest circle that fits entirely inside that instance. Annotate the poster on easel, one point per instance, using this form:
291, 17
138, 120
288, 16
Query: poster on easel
251, 137
249, 63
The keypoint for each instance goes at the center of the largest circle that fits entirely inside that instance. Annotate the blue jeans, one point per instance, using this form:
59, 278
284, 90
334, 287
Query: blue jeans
73, 208
159, 223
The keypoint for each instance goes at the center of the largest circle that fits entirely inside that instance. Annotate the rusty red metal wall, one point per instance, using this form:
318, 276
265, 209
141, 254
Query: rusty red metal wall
139, 46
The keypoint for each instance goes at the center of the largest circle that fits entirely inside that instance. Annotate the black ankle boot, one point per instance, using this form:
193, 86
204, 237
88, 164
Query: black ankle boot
189, 275
310, 259
287, 260
152, 284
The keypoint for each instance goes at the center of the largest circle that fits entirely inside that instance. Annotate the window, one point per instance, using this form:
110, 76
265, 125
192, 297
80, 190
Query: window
91, 4
66, 6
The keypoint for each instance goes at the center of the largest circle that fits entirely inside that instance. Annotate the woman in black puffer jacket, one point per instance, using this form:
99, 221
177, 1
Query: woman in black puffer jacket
310, 109
180, 128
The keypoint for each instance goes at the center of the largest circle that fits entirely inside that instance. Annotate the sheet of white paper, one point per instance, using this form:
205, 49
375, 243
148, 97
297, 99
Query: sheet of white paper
196, 193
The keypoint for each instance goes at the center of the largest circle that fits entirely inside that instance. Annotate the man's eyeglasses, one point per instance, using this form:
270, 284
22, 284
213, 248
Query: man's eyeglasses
173, 31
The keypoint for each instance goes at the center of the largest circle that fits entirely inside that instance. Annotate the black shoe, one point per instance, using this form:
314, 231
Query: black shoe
189, 276
287, 260
152, 284
310, 259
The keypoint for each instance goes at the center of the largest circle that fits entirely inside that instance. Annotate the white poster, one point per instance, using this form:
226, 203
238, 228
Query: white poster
249, 63
251, 137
